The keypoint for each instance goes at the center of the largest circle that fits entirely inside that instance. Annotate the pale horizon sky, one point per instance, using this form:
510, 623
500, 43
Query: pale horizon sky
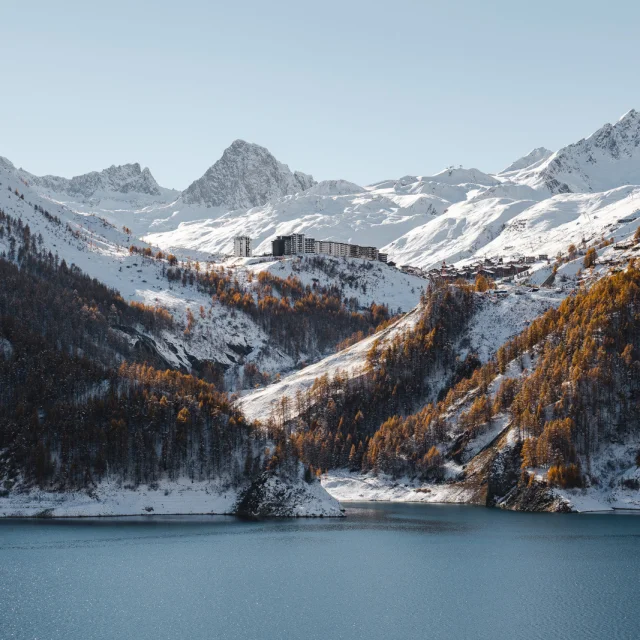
362, 91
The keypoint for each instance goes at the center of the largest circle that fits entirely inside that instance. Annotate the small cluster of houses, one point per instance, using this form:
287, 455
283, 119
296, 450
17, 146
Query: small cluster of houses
298, 244
489, 267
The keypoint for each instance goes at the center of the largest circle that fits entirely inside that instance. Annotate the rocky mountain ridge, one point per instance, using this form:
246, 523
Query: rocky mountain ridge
124, 179
607, 159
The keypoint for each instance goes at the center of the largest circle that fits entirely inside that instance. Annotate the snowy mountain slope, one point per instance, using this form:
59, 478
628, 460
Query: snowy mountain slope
366, 280
506, 227
101, 250
552, 225
497, 320
460, 233
534, 157
607, 159
246, 175
258, 404
494, 321
323, 212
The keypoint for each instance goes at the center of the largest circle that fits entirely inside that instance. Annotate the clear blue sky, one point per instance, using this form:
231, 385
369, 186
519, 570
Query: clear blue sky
357, 90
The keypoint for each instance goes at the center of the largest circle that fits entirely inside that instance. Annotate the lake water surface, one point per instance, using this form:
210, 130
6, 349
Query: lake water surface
386, 571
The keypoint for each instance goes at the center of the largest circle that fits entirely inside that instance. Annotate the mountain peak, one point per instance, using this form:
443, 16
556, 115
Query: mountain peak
247, 175
607, 159
533, 157
239, 143
631, 116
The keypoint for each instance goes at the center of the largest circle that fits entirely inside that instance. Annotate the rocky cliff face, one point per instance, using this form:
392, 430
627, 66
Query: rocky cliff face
247, 175
272, 495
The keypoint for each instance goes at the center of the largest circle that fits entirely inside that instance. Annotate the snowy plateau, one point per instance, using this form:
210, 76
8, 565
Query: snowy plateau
586, 192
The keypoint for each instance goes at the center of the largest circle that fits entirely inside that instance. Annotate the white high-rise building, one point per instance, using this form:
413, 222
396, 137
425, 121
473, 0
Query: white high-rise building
242, 246
297, 243
309, 245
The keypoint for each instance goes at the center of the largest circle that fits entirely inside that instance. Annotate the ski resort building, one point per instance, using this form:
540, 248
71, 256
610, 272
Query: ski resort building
242, 246
297, 243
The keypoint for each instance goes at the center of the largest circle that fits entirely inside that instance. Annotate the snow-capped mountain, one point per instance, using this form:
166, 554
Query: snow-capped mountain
117, 193
332, 210
607, 159
533, 157
457, 214
508, 226
125, 179
247, 175
580, 192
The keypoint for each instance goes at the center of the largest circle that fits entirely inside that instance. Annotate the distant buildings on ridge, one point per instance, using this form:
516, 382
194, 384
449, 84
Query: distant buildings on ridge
299, 244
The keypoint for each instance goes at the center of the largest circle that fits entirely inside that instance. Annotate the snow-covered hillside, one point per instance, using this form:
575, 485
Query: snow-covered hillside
258, 404
367, 280
102, 251
519, 227
459, 233
220, 334
494, 321
325, 212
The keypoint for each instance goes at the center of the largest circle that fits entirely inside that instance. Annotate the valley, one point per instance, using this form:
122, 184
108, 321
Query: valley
427, 379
